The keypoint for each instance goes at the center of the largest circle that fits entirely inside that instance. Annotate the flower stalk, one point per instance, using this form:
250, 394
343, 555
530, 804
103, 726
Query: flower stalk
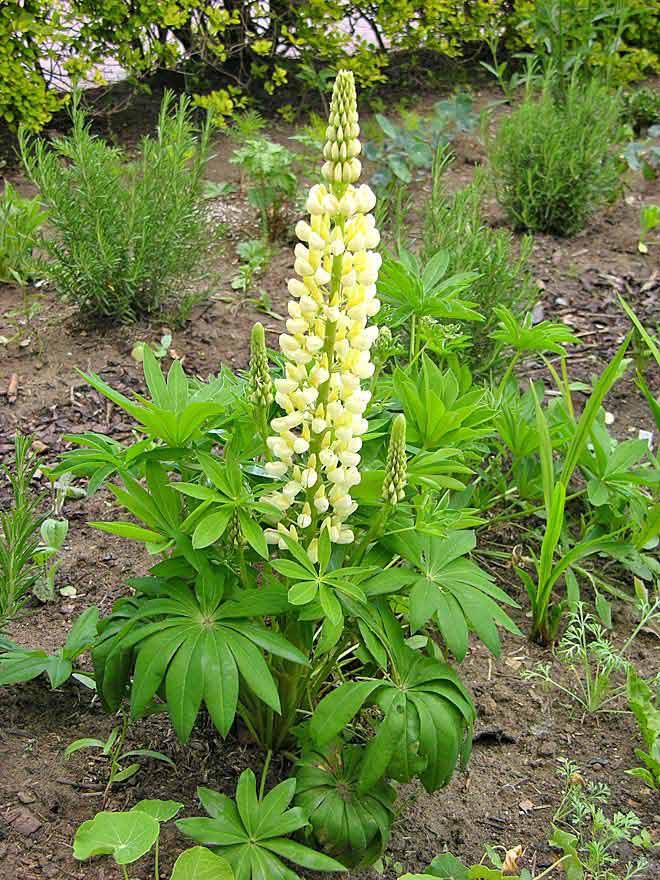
315, 444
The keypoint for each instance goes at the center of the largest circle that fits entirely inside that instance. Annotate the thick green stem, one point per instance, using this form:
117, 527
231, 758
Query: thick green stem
373, 532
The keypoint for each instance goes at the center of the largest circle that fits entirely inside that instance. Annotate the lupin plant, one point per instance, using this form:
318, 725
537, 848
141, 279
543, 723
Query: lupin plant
281, 548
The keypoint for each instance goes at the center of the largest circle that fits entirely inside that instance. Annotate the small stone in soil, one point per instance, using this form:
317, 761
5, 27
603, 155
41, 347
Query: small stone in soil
26, 797
25, 822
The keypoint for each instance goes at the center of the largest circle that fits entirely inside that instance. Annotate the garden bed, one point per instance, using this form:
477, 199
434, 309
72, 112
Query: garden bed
510, 793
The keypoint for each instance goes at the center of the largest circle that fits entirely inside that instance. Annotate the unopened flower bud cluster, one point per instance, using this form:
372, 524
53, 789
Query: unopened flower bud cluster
396, 466
316, 442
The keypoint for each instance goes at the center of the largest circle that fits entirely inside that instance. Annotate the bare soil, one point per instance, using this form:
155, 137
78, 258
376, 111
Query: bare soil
511, 790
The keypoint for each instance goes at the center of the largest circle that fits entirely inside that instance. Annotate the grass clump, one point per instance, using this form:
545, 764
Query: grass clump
455, 224
552, 158
125, 232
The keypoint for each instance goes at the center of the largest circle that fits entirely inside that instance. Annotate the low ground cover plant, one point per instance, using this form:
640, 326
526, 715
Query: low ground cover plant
124, 233
552, 158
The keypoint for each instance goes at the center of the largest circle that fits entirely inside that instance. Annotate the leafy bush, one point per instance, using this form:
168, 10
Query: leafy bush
641, 108
19, 220
455, 224
125, 233
553, 162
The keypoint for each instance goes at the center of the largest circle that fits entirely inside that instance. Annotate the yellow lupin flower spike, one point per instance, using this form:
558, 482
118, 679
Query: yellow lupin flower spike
317, 440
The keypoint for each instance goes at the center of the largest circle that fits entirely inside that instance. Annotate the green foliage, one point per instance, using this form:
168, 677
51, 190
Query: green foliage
593, 844
440, 409
425, 713
130, 835
253, 832
351, 826
268, 168
545, 614
451, 589
125, 233
113, 749
20, 218
18, 664
552, 161
588, 37
412, 293
592, 660
645, 706
20, 522
454, 223
649, 219
641, 108
255, 256
403, 151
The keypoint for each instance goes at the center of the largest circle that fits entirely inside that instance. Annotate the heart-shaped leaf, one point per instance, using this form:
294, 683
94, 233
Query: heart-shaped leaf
162, 811
124, 836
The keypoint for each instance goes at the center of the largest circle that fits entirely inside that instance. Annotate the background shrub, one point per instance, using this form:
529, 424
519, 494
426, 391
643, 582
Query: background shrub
553, 162
231, 51
125, 233
455, 224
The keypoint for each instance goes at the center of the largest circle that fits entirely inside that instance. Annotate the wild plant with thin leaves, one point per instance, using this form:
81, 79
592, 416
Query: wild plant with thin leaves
20, 521
126, 233
455, 224
595, 844
597, 668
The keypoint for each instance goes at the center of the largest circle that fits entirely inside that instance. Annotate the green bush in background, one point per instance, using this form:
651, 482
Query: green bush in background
552, 159
228, 51
124, 233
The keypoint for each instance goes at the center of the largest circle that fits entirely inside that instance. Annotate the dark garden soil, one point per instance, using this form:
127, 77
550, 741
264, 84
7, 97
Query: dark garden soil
512, 789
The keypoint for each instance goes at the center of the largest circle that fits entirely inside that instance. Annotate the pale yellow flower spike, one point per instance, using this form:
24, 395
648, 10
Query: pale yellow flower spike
316, 442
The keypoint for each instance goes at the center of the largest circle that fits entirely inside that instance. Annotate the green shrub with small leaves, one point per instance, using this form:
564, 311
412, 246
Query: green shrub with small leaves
126, 233
553, 161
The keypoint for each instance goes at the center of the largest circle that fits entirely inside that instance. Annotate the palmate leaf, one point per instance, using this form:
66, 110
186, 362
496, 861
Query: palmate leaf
438, 413
349, 826
176, 413
191, 651
521, 335
252, 832
452, 589
426, 723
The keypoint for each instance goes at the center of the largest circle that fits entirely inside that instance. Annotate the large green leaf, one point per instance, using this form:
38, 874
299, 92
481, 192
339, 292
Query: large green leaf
252, 833
199, 863
124, 836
